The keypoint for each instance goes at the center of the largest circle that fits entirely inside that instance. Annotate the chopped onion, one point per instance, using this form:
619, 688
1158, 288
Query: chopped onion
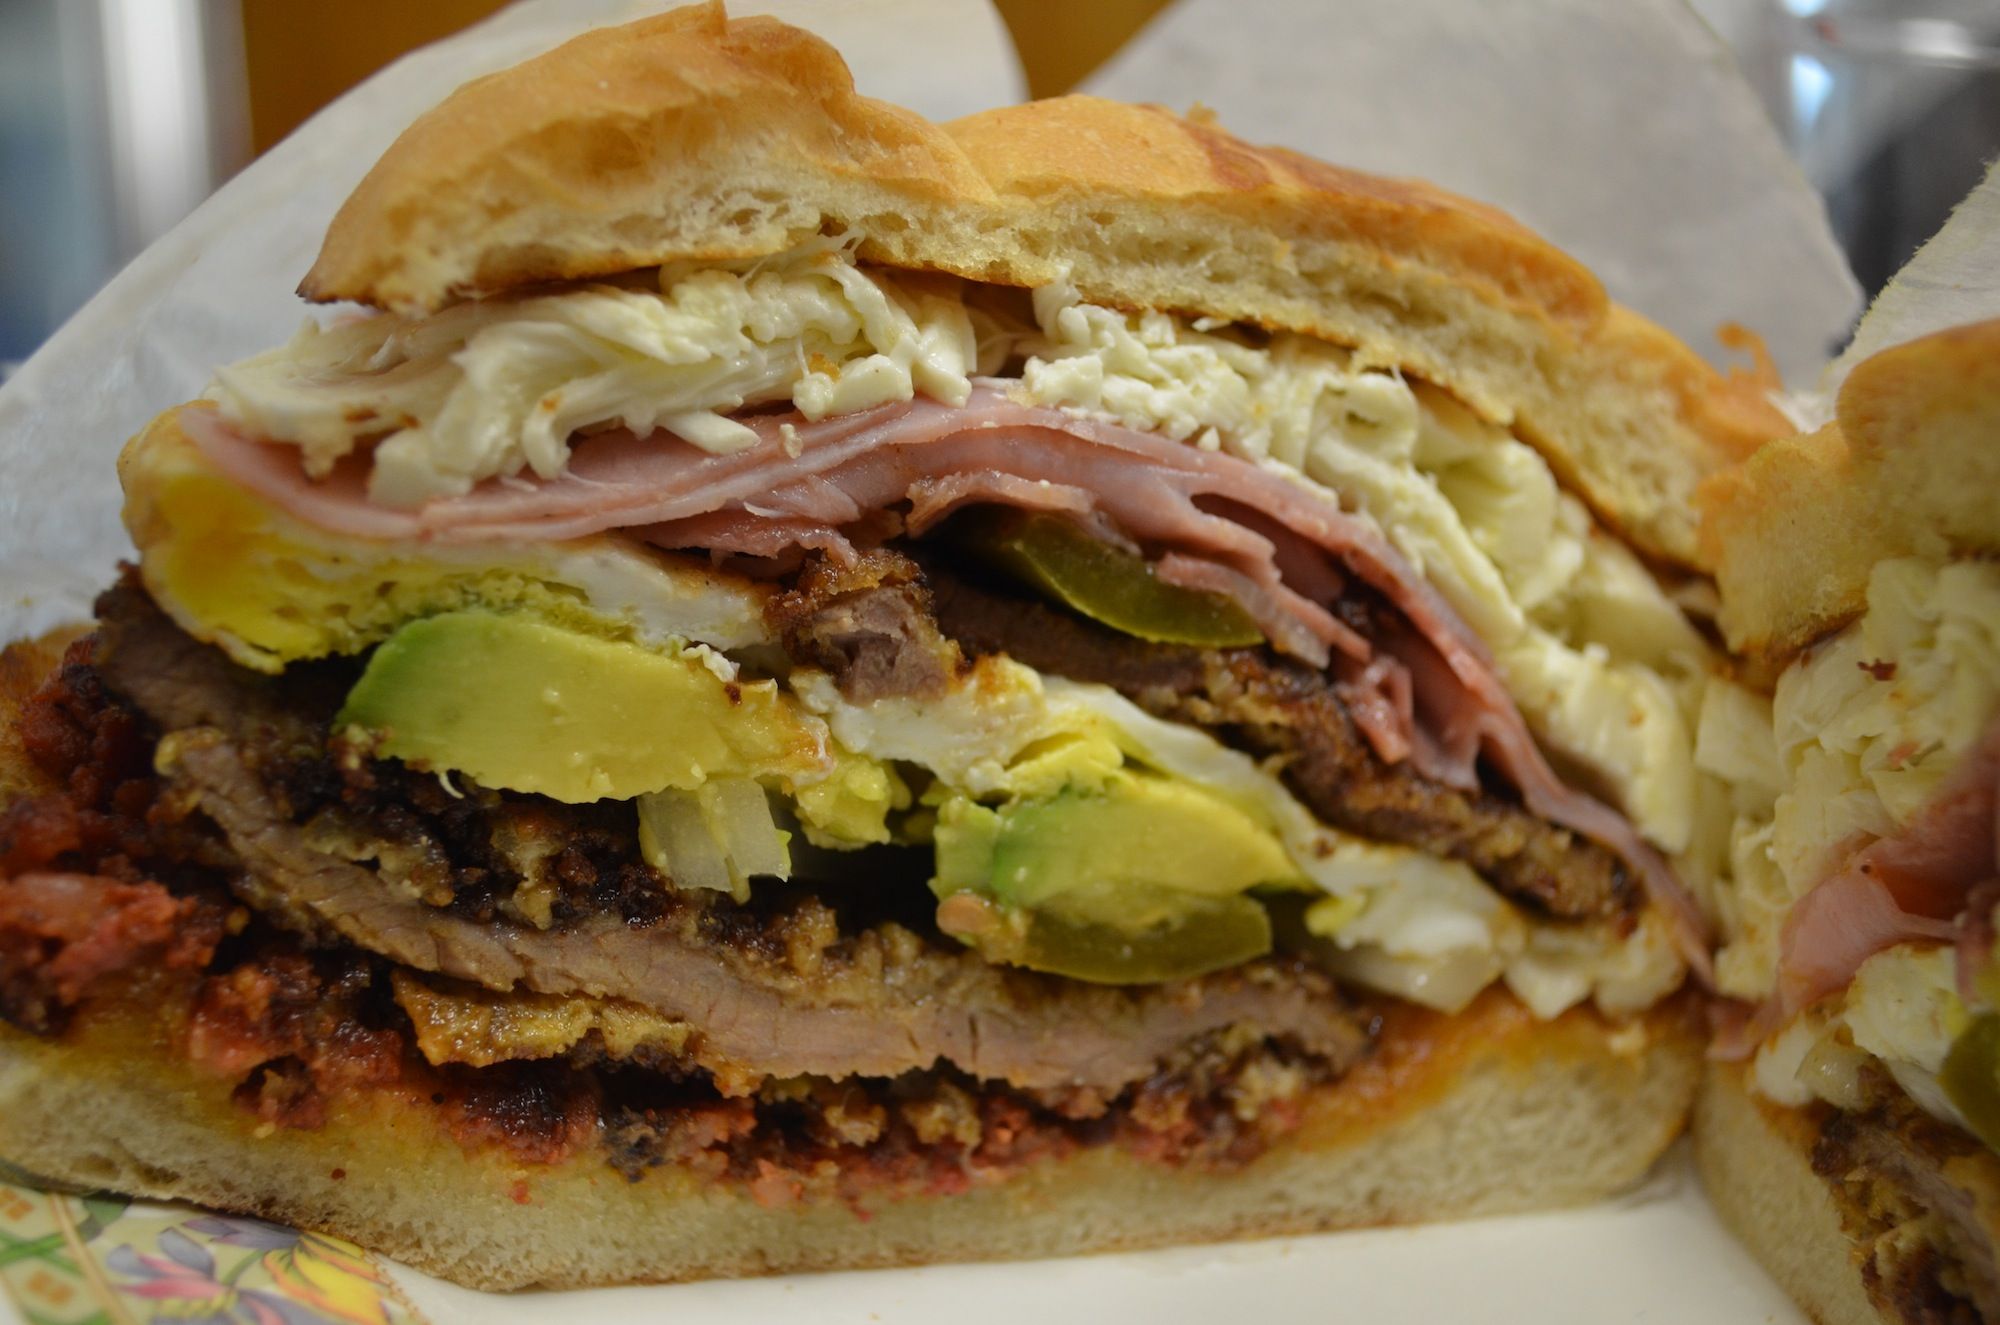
719, 836
1832, 1070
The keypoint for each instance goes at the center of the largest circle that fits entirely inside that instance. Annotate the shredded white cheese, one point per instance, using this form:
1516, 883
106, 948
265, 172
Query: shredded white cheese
1860, 733
499, 386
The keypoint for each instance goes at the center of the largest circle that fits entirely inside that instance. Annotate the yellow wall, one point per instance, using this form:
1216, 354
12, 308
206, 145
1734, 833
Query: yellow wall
1061, 41
302, 56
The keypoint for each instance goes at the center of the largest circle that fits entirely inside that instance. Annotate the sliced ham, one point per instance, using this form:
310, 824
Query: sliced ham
1294, 624
1379, 699
932, 499
748, 534
932, 455
1193, 505
1914, 886
1976, 932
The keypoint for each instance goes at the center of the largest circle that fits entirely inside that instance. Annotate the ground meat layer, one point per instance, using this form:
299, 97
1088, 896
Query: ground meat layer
101, 875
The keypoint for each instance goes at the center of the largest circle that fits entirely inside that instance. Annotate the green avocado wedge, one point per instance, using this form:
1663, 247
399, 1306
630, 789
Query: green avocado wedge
1971, 1077
519, 704
1139, 881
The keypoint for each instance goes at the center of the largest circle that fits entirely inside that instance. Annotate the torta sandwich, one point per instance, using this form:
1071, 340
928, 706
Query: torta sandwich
805, 688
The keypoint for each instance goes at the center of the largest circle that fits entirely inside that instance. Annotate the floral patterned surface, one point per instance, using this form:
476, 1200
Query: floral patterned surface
104, 1260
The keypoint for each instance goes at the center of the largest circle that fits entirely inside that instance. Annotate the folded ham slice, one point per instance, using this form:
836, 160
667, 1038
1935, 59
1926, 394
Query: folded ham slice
1914, 886
1265, 534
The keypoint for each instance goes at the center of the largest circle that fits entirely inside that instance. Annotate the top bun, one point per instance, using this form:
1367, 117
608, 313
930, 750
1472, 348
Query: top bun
695, 136
1910, 466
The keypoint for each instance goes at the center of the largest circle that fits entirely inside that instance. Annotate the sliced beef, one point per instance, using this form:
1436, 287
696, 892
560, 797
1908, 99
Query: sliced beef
1277, 707
482, 853
797, 1000
886, 1005
868, 623
177, 681
1216, 1105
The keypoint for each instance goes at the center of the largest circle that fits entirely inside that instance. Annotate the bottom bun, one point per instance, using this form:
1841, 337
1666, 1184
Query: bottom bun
1883, 1215
1486, 1112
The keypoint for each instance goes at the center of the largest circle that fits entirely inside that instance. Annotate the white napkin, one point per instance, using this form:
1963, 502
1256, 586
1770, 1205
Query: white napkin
1953, 279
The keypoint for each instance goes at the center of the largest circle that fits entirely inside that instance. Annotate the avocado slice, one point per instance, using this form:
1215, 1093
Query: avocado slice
519, 704
1140, 879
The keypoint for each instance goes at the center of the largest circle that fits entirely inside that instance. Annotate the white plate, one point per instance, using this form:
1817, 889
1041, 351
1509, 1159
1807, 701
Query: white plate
1658, 1255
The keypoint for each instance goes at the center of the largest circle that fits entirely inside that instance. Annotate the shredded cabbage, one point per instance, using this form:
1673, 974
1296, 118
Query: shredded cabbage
1862, 731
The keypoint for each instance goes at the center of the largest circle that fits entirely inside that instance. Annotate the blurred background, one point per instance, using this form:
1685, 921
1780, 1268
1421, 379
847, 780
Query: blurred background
117, 117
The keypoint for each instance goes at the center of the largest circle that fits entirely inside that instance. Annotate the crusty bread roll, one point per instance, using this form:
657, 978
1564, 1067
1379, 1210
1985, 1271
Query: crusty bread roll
1885, 1213
692, 136
1908, 468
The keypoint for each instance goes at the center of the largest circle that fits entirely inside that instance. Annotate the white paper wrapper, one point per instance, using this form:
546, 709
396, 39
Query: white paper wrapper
1953, 279
219, 285
1622, 131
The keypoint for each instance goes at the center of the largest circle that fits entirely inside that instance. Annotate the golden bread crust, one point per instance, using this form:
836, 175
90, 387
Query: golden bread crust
1066, 150
693, 136
1909, 467
678, 136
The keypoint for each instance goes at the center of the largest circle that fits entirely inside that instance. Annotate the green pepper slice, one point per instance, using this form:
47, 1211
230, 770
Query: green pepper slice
1104, 582
1971, 1077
